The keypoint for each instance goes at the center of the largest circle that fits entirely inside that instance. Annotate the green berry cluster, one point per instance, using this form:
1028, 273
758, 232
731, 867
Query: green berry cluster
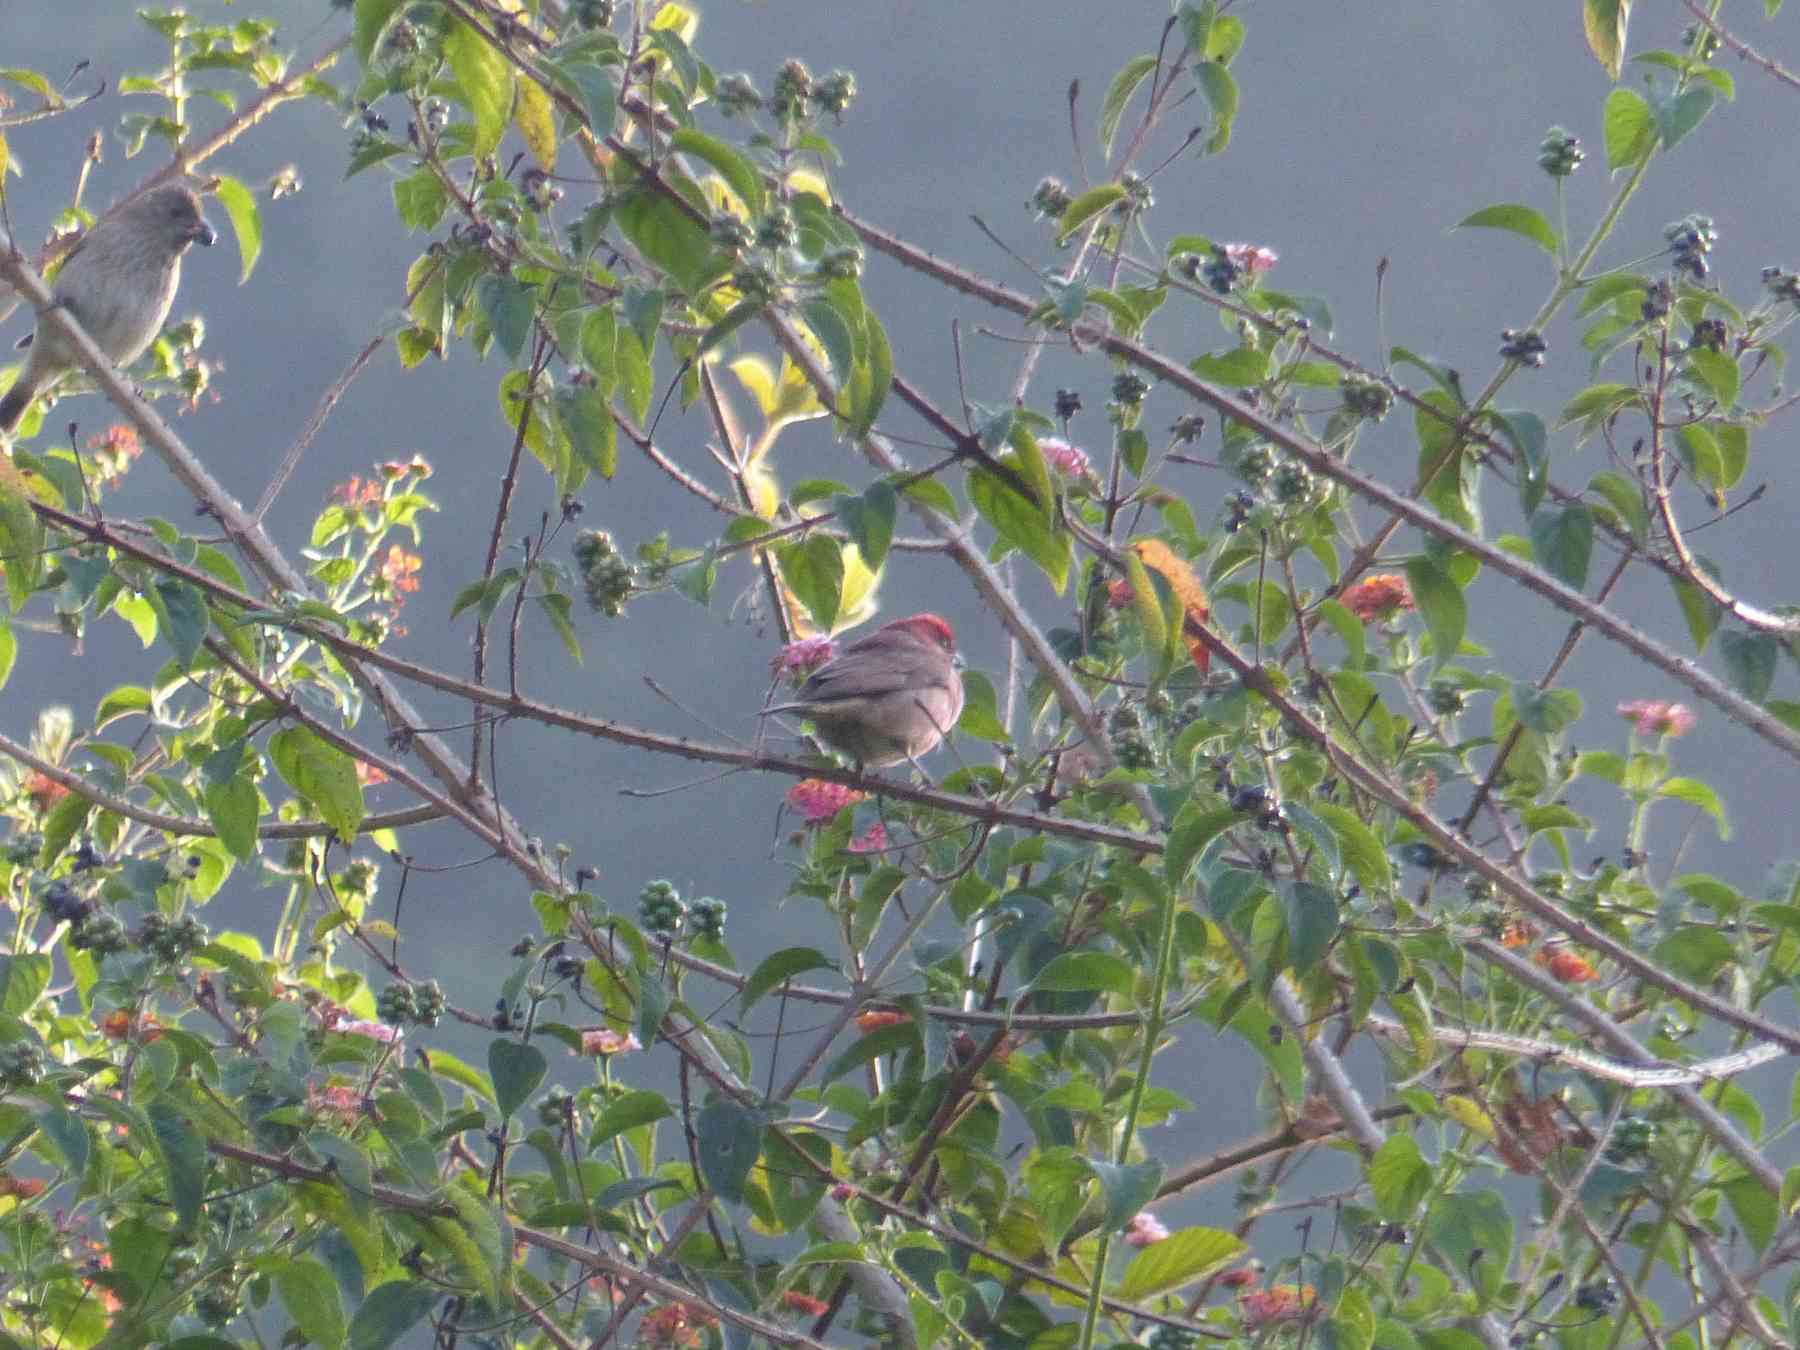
1051, 198
404, 1004
171, 941
707, 918
605, 574
660, 908
1559, 153
1631, 1139
102, 933
1367, 398
1690, 240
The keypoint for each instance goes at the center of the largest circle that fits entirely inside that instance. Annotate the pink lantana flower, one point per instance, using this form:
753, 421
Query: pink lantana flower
609, 1042
1657, 717
1253, 258
374, 1031
1071, 461
872, 842
800, 659
817, 800
1144, 1230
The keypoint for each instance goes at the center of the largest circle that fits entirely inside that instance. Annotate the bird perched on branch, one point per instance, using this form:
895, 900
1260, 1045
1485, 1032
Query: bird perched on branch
119, 283
888, 697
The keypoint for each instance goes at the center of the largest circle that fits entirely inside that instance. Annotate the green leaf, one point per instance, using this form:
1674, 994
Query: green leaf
1399, 1177
730, 1140
1186, 1255
779, 968
1630, 126
1023, 525
1604, 22
1311, 912
1734, 451
1562, 539
653, 1006
1545, 711
389, 1312
1084, 972
1126, 1188
1235, 369
1718, 372
1696, 793
1362, 851
65, 818
181, 610
981, 709
743, 176
509, 306
69, 1134
246, 223
22, 979
1626, 501
870, 521
1085, 207
1520, 220
1596, 403
1700, 610
592, 86
1441, 603
372, 18
1750, 662
1756, 1210
1193, 829
183, 1155
486, 80
420, 200
310, 1294
1475, 1230
1118, 94
9, 651
875, 376
814, 570
516, 1068
1220, 91
629, 1112
1056, 1180
233, 808
589, 423
321, 774
1683, 113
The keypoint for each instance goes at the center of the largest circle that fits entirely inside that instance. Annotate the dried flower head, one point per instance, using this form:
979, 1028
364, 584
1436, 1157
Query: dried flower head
1378, 596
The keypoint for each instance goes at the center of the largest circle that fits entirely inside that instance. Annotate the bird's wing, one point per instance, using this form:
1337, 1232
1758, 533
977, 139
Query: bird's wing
845, 680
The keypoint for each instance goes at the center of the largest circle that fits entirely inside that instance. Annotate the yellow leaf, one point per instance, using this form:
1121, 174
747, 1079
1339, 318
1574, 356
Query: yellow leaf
1143, 595
678, 19
17, 482
856, 601
764, 490
536, 121
754, 374
1465, 1112
802, 181
721, 197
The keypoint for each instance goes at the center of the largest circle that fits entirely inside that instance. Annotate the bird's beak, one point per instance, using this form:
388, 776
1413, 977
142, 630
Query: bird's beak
202, 233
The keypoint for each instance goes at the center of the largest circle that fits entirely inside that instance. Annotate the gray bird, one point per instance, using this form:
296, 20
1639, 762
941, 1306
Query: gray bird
887, 697
119, 283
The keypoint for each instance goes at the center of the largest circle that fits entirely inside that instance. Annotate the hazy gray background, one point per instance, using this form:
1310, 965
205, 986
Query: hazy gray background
1367, 130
